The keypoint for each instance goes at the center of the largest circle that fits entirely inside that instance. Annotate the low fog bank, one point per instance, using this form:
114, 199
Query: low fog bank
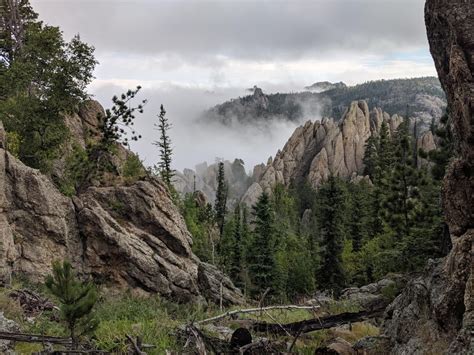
195, 139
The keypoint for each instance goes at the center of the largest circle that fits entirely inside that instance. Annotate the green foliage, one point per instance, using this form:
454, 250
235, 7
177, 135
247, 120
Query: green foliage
201, 225
236, 261
133, 168
76, 171
390, 291
445, 151
164, 144
262, 257
41, 78
331, 217
220, 205
119, 120
14, 143
151, 318
76, 298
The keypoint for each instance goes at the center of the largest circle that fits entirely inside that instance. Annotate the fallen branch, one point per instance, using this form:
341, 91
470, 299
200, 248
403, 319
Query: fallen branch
135, 346
310, 325
33, 338
253, 310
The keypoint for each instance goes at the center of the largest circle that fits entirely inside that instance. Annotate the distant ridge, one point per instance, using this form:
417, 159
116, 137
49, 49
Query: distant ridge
423, 96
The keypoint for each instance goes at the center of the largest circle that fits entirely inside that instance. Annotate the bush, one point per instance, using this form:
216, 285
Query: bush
133, 169
14, 143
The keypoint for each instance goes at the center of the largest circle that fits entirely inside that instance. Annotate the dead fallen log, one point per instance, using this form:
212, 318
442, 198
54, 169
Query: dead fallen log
34, 338
253, 310
311, 325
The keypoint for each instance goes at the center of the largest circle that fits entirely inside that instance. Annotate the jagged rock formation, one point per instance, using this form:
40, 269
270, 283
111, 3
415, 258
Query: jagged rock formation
435, 313
125, 236
321, 86
204, 179
319, 149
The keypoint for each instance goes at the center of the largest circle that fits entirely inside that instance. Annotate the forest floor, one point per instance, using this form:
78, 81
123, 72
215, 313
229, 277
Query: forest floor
157, 322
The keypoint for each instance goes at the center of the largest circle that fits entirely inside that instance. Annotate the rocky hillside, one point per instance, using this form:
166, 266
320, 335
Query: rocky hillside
124, 235
424, 97
321, 148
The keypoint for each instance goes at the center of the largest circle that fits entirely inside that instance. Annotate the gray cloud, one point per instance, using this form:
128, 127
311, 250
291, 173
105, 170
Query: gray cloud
193, 54
196, 31
194, 142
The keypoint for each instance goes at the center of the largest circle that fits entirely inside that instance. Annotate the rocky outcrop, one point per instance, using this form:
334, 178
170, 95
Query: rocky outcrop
204, 179
321, 86
321, 148
377, 294
435, 313
124, 236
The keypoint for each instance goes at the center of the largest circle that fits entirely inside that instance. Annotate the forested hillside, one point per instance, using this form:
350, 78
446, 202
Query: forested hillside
423, 98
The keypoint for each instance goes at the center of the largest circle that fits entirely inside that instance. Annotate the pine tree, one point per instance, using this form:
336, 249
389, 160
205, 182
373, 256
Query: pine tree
378, 158
76, 298
236, 256
163, 126
331, 226
445, 151
221, 198
402, 199
384, 151
358, 213
370, 157
262, 261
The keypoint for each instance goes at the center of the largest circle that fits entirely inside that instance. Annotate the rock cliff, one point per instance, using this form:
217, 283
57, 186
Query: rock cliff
124, 236
435, 313
321, 148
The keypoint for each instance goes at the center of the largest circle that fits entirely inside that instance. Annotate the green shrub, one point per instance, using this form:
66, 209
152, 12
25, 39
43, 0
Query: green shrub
14, 143
78, 167
390, 291
133, 168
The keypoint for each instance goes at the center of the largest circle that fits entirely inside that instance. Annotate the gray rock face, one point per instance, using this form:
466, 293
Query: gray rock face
319, 149
374, 295
125, 236
435, 313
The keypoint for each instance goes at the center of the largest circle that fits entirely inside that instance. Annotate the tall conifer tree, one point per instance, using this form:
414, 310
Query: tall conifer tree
163, 126
331, 224
221, 198
262, 261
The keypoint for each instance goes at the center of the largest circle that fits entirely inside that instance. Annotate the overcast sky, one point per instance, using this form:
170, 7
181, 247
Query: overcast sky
192, 54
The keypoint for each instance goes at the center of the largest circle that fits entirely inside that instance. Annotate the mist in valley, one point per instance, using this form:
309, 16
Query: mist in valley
198, 137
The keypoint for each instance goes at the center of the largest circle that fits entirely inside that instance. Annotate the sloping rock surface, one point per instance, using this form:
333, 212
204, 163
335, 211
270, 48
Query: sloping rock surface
125, 236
